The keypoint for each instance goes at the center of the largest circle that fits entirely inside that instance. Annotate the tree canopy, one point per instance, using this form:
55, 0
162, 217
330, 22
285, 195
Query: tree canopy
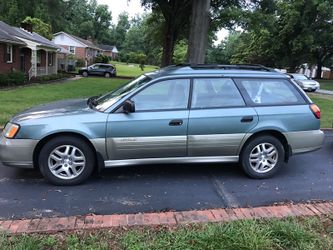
276, 33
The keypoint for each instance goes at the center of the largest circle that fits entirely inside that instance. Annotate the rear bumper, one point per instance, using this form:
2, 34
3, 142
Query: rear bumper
17, 152
305, 141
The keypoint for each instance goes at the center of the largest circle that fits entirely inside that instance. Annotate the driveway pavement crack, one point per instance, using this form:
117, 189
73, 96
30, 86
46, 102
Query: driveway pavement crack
227, 198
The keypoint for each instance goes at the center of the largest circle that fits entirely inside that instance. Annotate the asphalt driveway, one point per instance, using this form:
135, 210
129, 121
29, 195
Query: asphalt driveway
24, 193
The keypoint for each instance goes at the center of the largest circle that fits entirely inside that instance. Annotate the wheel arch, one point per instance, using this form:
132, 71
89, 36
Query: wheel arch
275, 133
98, 158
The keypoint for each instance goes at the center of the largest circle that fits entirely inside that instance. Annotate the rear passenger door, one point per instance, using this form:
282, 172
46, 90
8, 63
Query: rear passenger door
219, 118
278, 103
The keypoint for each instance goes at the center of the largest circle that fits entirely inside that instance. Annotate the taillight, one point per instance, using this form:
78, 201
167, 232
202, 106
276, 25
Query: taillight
315, 110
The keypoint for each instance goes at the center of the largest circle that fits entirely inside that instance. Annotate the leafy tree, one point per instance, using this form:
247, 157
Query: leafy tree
224, 52
119, 32
39, 26
180, 53
176, 16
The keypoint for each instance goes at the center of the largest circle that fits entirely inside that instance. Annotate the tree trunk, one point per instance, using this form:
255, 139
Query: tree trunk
198, 31
169, 43
319, 70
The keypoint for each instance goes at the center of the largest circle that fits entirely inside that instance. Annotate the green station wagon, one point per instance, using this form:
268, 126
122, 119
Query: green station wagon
179, 114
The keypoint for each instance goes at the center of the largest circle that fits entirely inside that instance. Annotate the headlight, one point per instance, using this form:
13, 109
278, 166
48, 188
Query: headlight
11, 130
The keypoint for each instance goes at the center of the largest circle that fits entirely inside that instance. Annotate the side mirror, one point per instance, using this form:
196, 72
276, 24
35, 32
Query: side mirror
129, 107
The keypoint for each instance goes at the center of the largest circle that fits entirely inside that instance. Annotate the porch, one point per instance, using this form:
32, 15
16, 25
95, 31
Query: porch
43, 62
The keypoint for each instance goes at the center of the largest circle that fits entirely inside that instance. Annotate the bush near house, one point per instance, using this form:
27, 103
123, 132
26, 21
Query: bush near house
12, 79
101, 59
46, 78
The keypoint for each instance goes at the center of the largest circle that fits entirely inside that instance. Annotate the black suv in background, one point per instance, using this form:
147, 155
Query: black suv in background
99, 69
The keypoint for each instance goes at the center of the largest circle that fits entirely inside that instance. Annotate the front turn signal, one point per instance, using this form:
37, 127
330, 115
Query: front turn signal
11, 130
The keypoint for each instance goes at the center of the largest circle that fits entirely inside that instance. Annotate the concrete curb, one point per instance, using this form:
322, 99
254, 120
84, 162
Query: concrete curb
53, 225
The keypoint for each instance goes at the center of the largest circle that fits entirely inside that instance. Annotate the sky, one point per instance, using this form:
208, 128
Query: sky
134, 7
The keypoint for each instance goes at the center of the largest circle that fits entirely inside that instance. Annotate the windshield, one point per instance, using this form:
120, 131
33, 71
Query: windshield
301, 77
105, 101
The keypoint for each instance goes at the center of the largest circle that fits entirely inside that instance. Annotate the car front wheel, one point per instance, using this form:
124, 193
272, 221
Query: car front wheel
85, 73
262, 157
66, 161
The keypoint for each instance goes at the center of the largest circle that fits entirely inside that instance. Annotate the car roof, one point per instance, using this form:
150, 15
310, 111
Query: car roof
238, 70
104, 64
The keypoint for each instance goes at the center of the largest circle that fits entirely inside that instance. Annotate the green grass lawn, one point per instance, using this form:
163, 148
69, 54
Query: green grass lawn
326, 84
304, 234
325, 103
131, 69
15, 100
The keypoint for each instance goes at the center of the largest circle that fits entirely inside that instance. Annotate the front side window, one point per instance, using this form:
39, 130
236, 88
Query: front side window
215, 93
107, 100
271, 91
9, 53
164, 95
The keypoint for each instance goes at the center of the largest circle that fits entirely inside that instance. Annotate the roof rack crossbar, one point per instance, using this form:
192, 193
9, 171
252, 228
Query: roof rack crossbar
227, 66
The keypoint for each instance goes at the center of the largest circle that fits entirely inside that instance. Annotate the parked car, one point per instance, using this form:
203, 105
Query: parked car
305, 82
99, 69
180, 114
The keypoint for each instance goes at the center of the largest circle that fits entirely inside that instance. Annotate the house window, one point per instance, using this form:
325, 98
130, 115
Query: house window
72, 49
9, 53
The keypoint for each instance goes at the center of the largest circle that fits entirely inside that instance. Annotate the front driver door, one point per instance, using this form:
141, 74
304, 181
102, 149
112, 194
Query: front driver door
157, 128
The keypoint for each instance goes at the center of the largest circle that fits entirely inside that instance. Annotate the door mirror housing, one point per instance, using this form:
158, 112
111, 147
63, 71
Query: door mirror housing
129, 106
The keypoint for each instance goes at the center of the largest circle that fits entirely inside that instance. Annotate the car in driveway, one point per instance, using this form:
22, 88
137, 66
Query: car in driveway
248, 114
305, 82
99, 69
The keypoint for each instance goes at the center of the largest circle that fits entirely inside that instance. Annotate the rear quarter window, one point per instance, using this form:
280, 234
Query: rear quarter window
270, 92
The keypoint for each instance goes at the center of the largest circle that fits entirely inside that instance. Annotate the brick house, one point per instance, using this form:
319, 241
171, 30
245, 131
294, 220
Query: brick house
21, 49
110, 51
80, 48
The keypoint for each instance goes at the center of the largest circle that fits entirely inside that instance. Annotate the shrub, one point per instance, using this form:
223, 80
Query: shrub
80, 62
44, 79
101, 59
12, 79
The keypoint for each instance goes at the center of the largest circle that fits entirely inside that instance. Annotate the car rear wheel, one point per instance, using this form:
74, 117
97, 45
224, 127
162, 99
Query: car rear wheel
107, 75
85, 73
262, 157
66, 161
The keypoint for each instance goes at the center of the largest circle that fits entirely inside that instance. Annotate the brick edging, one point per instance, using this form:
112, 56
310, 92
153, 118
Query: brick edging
52, 225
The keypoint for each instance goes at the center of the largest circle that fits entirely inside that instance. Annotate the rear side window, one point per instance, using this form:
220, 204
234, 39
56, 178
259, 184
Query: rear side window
215, 93
270, 91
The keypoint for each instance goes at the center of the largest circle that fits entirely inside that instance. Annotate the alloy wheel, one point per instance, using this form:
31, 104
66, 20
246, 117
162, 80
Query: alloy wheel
66, 162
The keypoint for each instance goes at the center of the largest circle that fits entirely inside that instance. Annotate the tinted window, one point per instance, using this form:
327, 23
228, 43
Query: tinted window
215, 92
165, 95
271, 91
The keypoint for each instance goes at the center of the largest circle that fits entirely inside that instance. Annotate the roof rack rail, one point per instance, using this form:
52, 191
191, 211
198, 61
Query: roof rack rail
227, 66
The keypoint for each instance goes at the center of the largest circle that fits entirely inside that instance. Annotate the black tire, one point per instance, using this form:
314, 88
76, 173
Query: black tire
85, 74
78, 143
107, 75
251, 147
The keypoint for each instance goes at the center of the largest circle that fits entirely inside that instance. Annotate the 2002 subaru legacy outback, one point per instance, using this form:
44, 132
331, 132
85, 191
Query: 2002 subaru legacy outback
179, 114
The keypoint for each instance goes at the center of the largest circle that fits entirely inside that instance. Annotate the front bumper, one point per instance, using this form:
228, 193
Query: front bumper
305, 141
17, 152
310, 87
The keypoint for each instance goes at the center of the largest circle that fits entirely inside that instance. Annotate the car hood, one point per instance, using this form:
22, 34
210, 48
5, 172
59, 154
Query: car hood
66, 107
